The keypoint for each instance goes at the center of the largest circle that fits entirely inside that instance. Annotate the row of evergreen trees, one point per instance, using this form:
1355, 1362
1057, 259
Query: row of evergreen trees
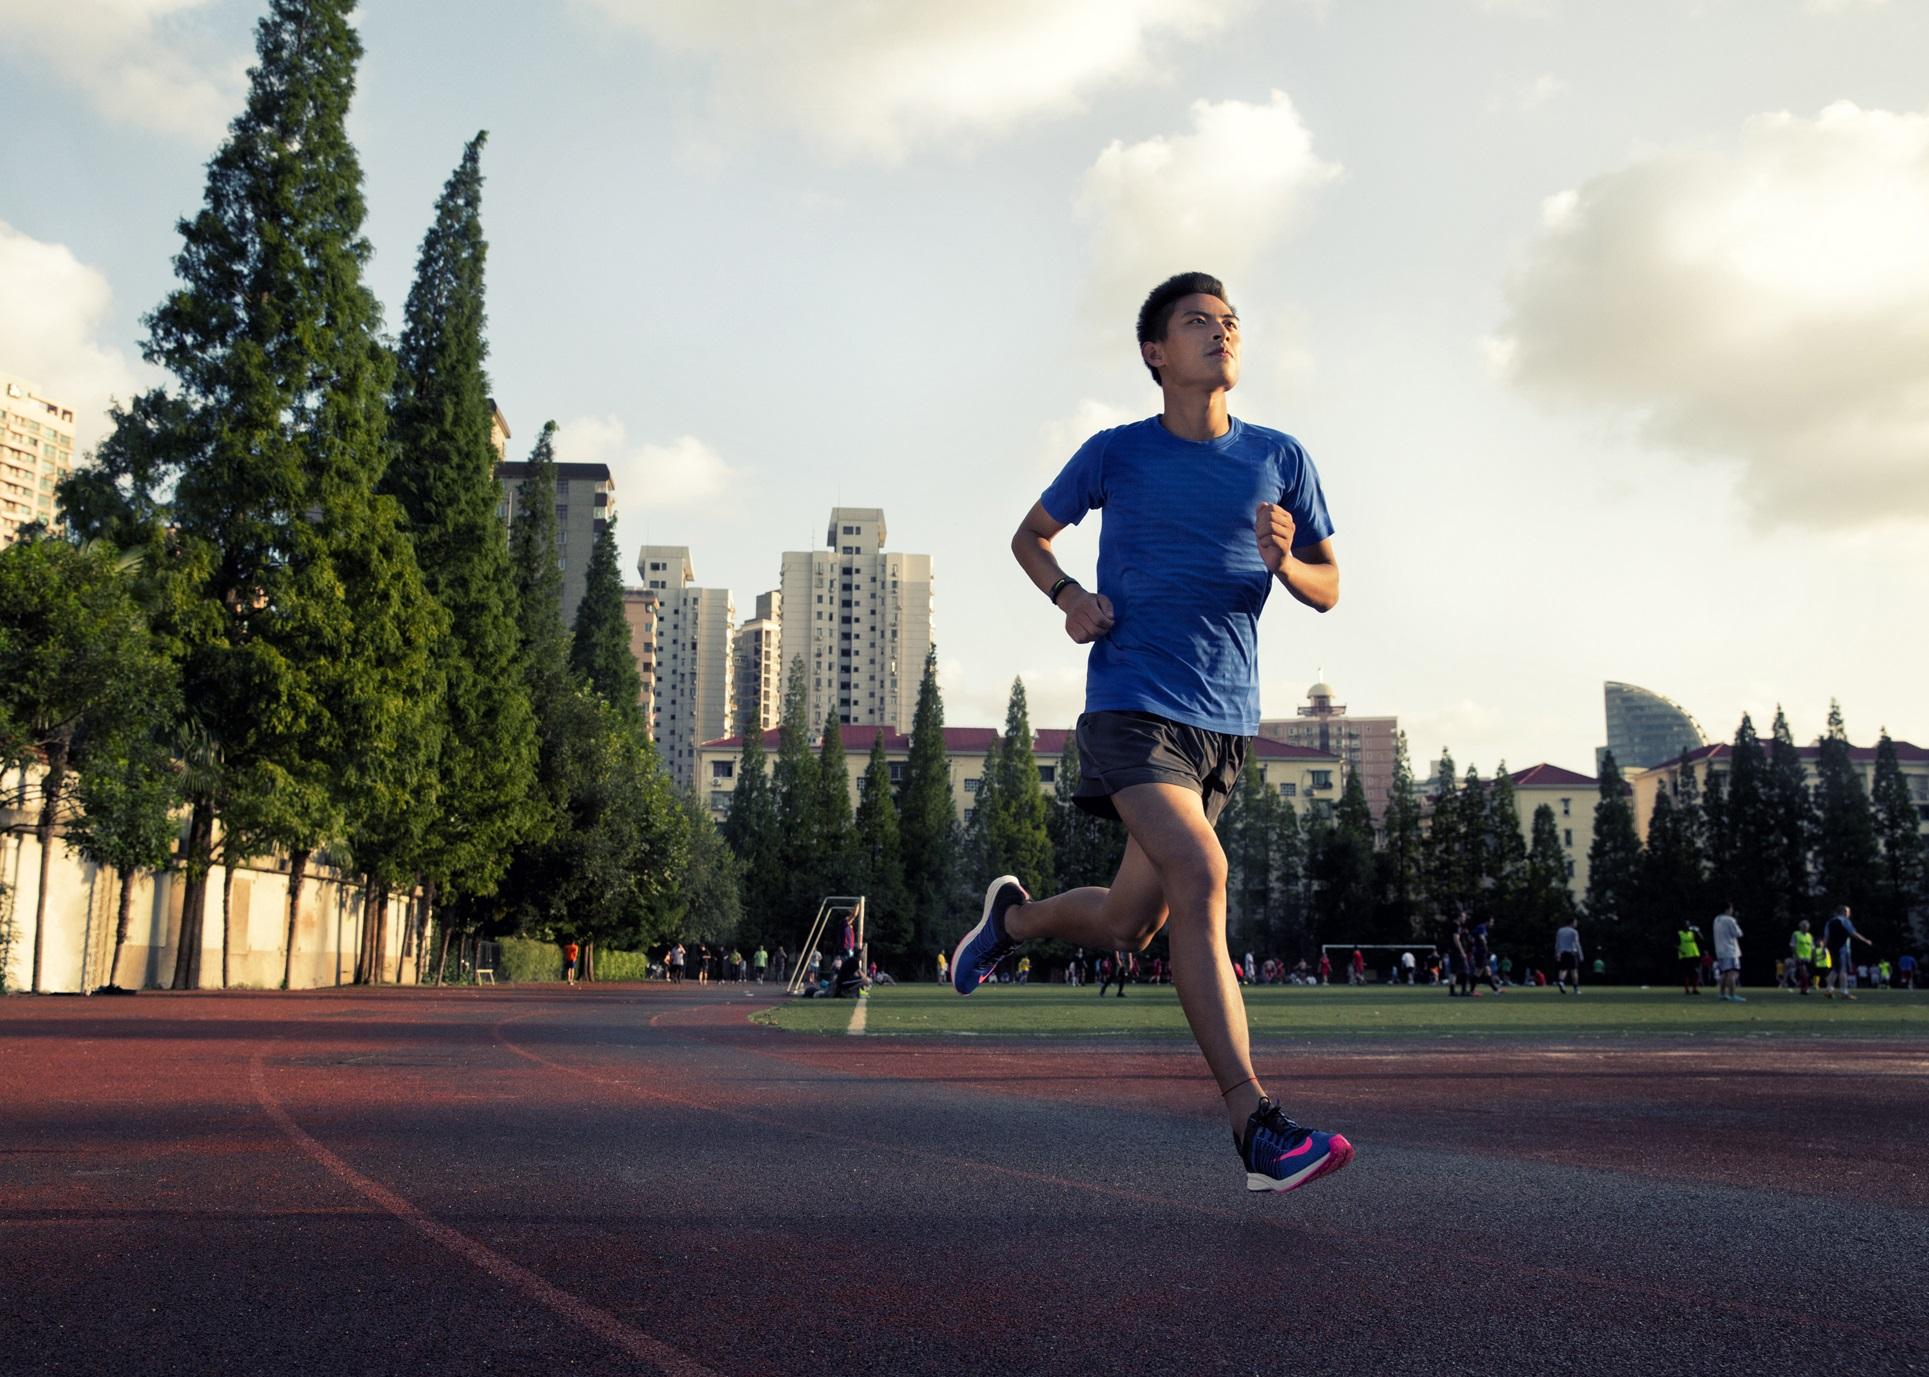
296, 612
1762, 841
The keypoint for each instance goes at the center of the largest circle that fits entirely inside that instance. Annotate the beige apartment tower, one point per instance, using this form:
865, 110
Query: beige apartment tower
859, 617
689, 691
36, 452
758, 687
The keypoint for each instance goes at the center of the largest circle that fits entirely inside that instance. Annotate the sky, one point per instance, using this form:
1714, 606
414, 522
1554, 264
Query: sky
1607, 326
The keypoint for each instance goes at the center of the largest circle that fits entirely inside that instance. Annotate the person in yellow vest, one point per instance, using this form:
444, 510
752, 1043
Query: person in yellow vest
1688, 951
944, 969
1823, 964
1024, 970
1801, 951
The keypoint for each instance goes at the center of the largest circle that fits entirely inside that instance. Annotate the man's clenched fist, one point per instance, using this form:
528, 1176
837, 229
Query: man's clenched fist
1273, 526
1087, 615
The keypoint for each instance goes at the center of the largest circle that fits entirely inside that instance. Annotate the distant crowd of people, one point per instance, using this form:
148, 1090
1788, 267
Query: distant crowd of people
1828, 961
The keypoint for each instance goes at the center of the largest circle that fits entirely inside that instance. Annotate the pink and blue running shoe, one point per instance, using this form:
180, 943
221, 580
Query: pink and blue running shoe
980, 950
1282, 1156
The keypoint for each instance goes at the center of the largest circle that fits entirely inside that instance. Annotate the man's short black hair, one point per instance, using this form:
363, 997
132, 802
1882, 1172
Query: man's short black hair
1156, 315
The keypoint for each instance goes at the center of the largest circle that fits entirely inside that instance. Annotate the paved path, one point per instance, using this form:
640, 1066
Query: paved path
613, 1180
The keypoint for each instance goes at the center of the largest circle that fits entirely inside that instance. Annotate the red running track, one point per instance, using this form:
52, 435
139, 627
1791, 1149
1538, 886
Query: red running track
624, 1179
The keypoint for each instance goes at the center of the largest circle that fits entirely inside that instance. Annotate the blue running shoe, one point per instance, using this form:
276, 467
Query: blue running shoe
980, 950
1281, 1156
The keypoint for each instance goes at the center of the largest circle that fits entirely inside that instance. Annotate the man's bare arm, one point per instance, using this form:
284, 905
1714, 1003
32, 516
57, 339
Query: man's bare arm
1312, 575
1088, 615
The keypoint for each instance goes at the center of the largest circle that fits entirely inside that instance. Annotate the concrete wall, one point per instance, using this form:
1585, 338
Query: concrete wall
82, 900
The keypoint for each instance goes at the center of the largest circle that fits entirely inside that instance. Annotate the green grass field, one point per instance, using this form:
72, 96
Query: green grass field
1339, 1011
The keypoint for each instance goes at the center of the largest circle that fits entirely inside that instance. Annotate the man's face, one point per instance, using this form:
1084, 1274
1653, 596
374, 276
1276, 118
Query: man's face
1201, 345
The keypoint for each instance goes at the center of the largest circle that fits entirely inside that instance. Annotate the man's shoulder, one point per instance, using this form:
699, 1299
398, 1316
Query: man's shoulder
1254, 434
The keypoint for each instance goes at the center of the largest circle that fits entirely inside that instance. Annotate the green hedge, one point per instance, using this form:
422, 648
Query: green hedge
527, 961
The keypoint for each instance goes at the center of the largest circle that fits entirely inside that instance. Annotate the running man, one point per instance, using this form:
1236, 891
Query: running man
1204, 513
1567, 956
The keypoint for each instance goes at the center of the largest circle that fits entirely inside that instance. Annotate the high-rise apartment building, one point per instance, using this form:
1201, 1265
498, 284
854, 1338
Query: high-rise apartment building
1366, 744
758, 687
690, 688
36, 452
639, 610
585, 501
860, 618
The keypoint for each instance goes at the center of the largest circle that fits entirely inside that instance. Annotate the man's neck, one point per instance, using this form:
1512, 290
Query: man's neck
1196, 415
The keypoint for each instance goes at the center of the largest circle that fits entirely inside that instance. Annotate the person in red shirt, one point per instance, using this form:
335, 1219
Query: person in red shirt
1325, 969
570, 951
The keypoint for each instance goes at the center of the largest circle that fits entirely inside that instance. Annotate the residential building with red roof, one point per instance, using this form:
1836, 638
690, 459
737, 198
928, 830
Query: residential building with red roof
1307, 778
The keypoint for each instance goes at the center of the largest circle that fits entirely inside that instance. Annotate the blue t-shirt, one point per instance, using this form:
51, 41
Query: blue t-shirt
1179, 562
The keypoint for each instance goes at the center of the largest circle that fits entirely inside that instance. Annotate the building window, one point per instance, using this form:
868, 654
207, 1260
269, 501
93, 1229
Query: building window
1567, 836
723, 769
1322, 779
1570, 870
971, 786
1047, 773
896, 768
1567, 807
1288, 790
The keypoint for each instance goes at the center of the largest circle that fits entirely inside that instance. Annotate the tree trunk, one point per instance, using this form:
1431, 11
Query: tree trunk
297, 871
194, 896
589, 961
375, 930
123, 917
442, 966
52, 786
227, 914
423, 931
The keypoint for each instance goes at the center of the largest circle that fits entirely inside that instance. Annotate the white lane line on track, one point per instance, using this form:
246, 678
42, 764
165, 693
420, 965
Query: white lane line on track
604, 1325
859, 1015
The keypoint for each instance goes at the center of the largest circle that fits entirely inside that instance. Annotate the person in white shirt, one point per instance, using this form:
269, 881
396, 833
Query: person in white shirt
1728, 956
1407, 965
1567, 958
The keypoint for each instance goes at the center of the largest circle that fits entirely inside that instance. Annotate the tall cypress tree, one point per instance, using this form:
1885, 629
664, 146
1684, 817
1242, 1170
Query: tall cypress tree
1791, 839
1905, 862
1086, 850
1613, 861
928, 819
1287, 932
1401, 862
1450, 887
305, 591
794, 782
881, 859
836, 832
1749, 830
750, 828
599, 647
1672, 888
443, 474
1544, 901
1246, 828
535, 558
1848, 861
1021, 844
1506, 853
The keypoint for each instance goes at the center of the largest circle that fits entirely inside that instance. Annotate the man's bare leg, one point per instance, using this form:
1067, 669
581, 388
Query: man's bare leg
1175, 855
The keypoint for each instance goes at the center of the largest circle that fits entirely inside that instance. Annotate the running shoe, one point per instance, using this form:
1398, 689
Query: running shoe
980, 950
1280, 1155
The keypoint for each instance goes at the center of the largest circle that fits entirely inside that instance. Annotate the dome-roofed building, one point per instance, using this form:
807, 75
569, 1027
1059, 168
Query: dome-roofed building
1364, 744
1644, 728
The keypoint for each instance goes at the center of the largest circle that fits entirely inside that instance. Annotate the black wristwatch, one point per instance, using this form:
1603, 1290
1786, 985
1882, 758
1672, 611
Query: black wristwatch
1064, 581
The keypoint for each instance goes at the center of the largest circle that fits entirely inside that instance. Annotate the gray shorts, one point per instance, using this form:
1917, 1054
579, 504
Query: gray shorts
1119, 749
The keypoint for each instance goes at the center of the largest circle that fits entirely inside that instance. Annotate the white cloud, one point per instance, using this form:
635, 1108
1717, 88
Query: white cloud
1209, 200
54, 306
1529, 96
680, 474
872, 80
1764, 304
140, 62
1059, 439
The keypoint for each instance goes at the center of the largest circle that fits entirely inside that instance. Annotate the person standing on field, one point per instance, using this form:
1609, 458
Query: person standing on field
1687, 950
1727, 934
1204, 515
1801, 955
1568, 957
1838, 940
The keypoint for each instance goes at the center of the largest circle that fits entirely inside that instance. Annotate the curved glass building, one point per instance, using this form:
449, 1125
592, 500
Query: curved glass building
1644, 728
